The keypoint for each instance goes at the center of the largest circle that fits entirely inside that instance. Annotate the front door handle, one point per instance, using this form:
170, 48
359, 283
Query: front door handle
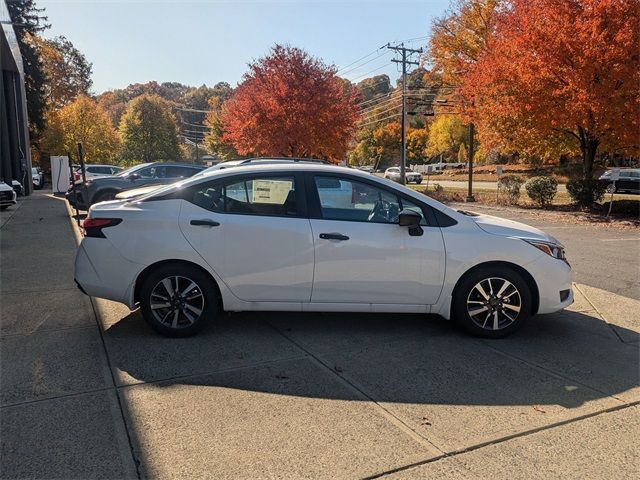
205, 223
333, 236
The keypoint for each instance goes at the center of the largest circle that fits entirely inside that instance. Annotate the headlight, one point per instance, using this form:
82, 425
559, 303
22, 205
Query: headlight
553, 249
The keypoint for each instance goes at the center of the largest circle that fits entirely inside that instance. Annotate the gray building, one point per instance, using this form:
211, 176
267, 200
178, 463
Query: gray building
15, 151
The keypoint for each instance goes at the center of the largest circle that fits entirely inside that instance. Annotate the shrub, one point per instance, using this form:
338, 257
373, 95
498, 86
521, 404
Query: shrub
541, 190
510, 185
586, 192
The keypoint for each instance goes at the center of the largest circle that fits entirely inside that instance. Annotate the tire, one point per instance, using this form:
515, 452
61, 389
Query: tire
180, 318
611, 188
105, 196
4, 207
418, 182
468, 297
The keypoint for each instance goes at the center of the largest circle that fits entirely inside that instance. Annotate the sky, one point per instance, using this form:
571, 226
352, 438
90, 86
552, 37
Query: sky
209, 41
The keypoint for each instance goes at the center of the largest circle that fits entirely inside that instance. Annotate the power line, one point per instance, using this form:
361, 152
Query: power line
379, 120
364, 75
363, 64
358, 60
379, 105
390, 109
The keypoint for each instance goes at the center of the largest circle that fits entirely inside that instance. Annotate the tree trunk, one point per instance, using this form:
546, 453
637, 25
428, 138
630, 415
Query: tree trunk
589, 147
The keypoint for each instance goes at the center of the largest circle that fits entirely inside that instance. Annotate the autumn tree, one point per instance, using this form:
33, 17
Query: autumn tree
149, 131
446, 135
68, 71
291, 104
569, 67
82, 121
417, 145
213, 140
388, 141
459, 38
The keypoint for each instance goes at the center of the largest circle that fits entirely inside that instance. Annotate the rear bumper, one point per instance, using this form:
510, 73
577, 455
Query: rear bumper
100, 271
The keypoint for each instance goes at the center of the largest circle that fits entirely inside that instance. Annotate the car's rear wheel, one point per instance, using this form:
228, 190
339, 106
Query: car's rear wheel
492, 302
611, 188
178, 300
419, 181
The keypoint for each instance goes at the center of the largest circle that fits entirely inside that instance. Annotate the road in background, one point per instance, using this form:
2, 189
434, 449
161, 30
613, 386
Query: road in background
607, 258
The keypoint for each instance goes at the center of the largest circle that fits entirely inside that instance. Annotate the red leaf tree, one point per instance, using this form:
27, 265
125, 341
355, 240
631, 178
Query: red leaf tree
291, 104
568, 67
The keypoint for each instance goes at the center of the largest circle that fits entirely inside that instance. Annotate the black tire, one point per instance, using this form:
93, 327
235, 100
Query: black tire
105, 196
418, 182
466, 296
611, 188
4, 207
153, 284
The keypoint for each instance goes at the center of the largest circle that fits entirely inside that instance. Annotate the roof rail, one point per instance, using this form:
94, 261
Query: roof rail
289, 159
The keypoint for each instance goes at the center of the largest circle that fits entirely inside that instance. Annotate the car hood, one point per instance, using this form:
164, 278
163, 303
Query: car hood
136, 192
5, 188
509, 228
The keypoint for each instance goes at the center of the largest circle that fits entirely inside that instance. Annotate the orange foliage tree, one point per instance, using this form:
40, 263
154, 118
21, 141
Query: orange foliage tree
568, 67
291, 104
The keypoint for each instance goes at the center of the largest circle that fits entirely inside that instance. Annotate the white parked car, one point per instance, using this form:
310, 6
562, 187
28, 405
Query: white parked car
94, 171
305, 237
7, 196
393, 173
37, 176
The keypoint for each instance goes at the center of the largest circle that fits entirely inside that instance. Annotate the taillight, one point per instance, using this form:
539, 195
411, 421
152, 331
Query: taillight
93, 226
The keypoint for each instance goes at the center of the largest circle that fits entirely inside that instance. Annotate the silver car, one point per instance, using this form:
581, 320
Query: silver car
393, 173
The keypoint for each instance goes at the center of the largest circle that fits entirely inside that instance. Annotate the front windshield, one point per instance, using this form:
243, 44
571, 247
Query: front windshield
129, 170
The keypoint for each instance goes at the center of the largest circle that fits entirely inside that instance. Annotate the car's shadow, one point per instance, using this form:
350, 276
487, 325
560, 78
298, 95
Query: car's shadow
566, 359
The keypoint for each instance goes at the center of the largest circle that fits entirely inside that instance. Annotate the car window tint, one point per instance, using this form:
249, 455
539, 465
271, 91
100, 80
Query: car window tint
176, 172
271, 196
152, 172
356, 201
409, 205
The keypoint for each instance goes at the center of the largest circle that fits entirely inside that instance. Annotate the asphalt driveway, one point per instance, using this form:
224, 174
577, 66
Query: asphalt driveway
88, 391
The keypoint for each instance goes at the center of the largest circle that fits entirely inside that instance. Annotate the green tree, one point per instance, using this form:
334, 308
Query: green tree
149, 131
32, 22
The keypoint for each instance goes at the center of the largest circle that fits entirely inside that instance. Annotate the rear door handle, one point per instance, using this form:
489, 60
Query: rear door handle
333, 236
205, 223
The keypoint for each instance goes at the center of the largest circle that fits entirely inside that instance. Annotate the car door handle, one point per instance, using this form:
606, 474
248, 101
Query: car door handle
205, 223
333, 236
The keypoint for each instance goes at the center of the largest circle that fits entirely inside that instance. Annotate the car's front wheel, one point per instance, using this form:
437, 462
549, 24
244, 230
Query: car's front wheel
492, 302
178, 300
611, 188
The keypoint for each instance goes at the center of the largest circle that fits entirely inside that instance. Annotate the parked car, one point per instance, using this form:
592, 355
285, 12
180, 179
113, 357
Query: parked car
17, 187
366, 168
38, 178
7, 196
93, 171
628, 182
137, 192
393, 173
105, 188
271, 237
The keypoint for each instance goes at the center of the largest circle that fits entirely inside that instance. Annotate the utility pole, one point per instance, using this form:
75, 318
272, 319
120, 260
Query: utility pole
470, 152
404, 51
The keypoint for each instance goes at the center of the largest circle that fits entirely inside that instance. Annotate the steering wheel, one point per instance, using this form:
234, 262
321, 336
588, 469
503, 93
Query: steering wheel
380, 211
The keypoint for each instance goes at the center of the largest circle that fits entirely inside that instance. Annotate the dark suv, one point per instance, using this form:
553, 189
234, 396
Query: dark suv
105, 188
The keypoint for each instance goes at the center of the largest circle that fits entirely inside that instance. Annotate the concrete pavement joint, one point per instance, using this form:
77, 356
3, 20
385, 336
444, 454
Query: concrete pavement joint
387, 413
48, 330
54, 397
599, 312
212, 372
526, 433
136, 462
13, 212
548, 371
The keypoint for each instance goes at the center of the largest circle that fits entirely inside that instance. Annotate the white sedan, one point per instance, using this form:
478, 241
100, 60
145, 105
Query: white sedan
393, 173
306, 237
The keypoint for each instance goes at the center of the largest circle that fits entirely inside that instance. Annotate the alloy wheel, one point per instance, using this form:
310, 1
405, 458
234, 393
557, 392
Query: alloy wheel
494, 303
177, 302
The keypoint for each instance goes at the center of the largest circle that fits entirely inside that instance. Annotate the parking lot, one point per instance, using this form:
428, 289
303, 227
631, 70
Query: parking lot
89, 391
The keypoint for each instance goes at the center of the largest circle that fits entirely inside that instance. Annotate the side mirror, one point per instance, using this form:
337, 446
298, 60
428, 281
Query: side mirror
411, 220
134, 176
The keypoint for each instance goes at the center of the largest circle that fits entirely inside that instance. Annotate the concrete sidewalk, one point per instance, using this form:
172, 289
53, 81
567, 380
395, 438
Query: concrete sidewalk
88, 391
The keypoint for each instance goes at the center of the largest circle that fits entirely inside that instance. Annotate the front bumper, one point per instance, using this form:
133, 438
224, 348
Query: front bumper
555, 287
